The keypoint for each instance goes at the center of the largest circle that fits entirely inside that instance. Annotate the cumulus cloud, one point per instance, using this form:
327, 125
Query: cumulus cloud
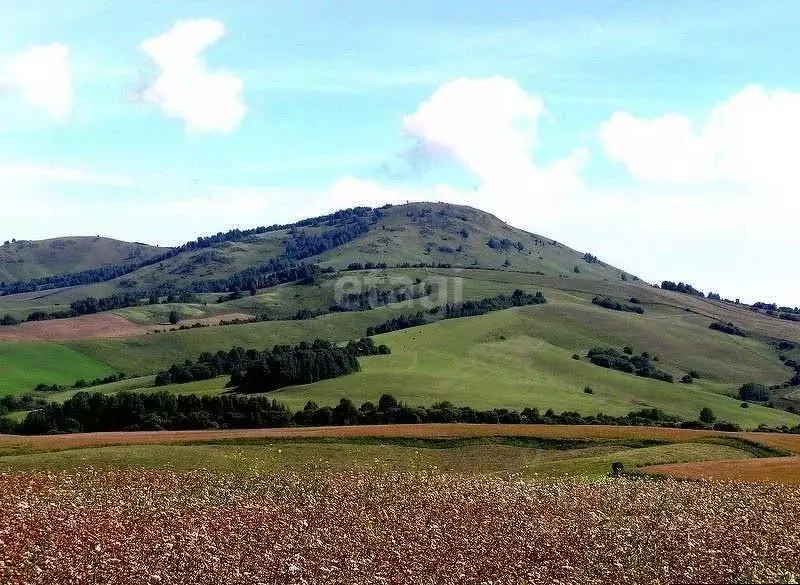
41, 74
749, 140
490, 127
207, 101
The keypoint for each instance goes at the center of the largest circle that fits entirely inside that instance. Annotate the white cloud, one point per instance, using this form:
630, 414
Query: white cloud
749, 140
207, 101
41, 74
490, 127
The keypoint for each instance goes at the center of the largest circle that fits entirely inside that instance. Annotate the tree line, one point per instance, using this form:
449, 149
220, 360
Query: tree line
126, 411
681, 288
105, 273
456, 310
373, 298
252, 370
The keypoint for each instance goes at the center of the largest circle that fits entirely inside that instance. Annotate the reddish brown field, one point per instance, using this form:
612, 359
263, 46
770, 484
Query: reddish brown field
87, 326
10, 443
161, 527
781, 469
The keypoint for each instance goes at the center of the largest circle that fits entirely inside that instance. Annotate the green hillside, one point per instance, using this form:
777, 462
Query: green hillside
415, 233
513, 358
23, 260
524, 357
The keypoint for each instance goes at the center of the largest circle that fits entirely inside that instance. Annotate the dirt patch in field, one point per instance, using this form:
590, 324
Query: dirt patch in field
779, 469
87, 326
10, 444
212, 321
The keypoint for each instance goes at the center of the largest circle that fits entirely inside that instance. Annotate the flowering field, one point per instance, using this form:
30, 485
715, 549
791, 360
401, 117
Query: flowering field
166, 527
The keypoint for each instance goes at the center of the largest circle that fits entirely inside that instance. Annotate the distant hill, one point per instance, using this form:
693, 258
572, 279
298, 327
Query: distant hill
415, 233
27, 259
441, 233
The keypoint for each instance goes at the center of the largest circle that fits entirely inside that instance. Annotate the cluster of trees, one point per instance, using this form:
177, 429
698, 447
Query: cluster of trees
504, 244
728, 328
626, 361
357, 215
367, 266
252, 370
681, 287
773, 307
127, 411
590, 258
374, 298
82, 383
164, 411
20, 402
286, 366
85, 306
456, 310
752, 392
610, 303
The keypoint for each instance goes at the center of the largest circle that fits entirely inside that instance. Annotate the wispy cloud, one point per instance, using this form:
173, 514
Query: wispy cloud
52, 174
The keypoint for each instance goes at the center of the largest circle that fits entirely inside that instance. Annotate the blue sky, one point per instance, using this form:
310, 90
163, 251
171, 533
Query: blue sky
660, 136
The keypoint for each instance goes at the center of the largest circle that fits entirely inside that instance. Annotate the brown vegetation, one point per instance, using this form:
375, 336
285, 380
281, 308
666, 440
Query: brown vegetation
777, 469
161, 527
84, 327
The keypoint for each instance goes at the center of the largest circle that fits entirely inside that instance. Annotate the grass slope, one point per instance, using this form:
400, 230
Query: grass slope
513, 359
24, 365
24, 260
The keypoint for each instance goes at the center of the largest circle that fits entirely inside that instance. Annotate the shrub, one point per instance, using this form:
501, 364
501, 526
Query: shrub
707, 415
687, 379
588, 390
610, 303
728, 328
753, 392
575, 356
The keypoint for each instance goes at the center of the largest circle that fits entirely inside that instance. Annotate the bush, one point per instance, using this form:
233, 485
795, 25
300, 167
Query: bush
753, 392
728, 328
687, 379
575, 356
588, 390
609, 303
174, 317
707, 415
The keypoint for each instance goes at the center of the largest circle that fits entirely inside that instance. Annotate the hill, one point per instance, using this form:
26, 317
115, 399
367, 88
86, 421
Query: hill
30, 259
411, 234
533, 356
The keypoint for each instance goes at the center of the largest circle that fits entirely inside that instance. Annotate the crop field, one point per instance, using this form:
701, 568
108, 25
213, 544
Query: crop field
391, 527
779, 469
100, 325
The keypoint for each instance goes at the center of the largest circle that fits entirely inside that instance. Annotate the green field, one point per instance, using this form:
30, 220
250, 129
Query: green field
24, 365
